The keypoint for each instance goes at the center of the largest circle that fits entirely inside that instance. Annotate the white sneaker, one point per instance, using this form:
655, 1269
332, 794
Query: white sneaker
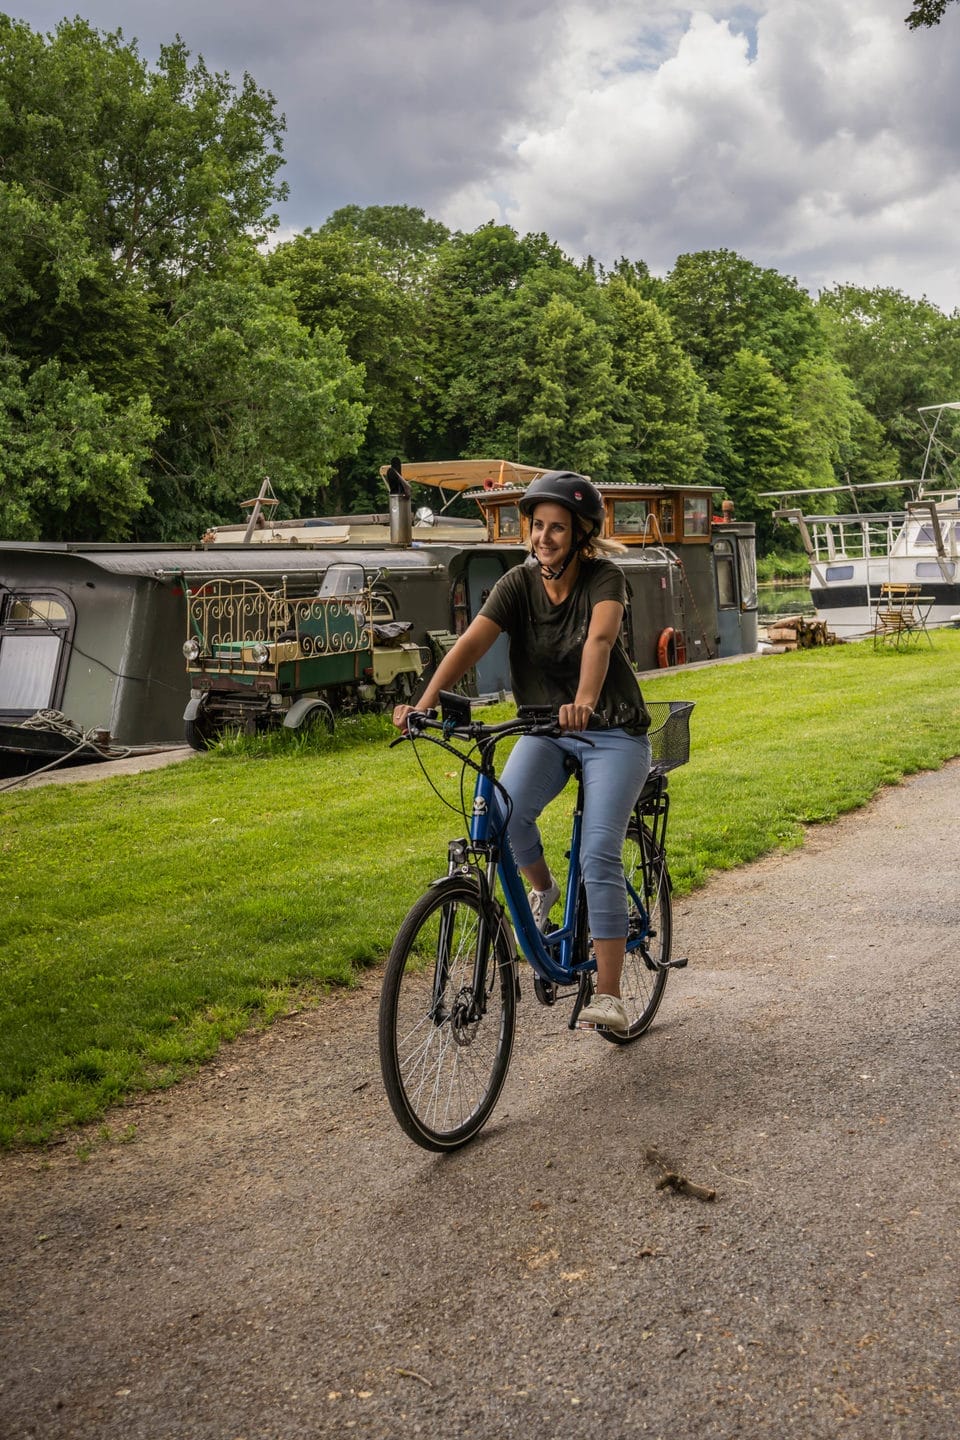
542, 902
608, 1011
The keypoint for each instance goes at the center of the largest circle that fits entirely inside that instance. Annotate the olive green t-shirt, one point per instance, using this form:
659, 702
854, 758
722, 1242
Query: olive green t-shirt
546, 641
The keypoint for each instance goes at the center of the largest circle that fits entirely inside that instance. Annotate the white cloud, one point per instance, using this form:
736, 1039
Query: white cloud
819, 138
830, 149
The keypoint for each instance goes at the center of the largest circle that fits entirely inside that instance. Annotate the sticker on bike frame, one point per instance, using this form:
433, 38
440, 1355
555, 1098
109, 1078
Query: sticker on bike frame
479, 805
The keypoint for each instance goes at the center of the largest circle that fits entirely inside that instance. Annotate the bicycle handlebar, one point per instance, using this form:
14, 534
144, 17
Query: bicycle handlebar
455, 722
419, 721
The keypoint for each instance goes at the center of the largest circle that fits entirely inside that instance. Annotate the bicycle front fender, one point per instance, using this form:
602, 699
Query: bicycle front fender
497, 918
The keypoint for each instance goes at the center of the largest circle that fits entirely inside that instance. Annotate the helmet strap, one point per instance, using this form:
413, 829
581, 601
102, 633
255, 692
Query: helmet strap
574, 551
549, 574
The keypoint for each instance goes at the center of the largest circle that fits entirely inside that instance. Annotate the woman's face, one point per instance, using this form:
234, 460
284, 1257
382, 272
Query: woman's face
551, 534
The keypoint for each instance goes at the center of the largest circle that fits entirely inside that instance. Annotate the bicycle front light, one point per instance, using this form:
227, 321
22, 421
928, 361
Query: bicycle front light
260, 654
191, 648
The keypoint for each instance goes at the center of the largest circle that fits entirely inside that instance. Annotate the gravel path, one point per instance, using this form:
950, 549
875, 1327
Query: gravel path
270, 1259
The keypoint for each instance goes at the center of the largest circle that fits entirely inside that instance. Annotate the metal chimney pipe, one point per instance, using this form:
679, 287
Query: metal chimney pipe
401, 520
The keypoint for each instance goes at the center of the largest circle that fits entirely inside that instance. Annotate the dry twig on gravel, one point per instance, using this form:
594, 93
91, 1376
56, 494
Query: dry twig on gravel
672, 1179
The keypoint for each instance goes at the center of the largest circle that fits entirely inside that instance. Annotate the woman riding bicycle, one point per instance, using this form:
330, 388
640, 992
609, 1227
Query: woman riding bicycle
563, 610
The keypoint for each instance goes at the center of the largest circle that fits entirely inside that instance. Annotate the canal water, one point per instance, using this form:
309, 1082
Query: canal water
775, 600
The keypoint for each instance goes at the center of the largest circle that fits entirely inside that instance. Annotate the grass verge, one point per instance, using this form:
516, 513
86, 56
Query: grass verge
147, 919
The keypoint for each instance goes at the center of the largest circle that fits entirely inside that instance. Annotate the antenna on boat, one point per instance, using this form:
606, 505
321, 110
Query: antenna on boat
932, 440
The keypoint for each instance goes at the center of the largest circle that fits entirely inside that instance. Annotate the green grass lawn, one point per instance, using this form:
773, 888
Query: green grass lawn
146, 919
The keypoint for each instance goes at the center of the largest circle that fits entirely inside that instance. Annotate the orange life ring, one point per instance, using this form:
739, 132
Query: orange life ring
671, 649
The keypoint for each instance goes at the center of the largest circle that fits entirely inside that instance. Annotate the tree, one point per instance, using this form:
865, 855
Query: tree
344, 280
484, 301
720, 303
762, 436
403, 233
926, 13
900, 353
661, 393
494, 258
837, 440
161, 169
569, 419
70, 458
132, 298
254, 393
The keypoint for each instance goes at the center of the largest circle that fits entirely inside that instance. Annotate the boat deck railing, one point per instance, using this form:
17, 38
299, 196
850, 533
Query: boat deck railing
921, 529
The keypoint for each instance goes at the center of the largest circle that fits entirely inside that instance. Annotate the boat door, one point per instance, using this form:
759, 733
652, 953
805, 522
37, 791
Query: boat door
493, 671
735, 580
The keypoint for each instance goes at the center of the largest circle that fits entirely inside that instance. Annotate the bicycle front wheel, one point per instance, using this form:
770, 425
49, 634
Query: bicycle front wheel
649, 932
447, 1021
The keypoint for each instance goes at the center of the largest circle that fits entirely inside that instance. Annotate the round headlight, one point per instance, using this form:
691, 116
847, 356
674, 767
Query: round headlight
191, 648
260, 654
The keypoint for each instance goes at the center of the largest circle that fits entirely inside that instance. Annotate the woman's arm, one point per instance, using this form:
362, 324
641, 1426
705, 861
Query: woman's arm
472, 645
605, 622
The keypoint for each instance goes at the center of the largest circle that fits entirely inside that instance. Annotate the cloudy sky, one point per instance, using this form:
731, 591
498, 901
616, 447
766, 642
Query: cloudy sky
819, 137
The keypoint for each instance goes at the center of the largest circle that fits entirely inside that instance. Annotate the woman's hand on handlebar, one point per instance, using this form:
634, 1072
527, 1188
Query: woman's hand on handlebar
575, 716
400, 713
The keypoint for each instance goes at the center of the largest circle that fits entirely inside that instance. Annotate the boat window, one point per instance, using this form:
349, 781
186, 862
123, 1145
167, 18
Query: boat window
747, 553
28, 670
32, 633
36, 610
631, 517
925, 534
667, 521
839, 572
726, 575
508, 522
696, 515
930, 570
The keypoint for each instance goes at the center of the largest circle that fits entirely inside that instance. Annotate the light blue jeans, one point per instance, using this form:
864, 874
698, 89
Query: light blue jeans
614, 765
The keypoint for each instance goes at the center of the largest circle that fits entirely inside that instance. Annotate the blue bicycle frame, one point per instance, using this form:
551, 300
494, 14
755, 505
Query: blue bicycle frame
553, 956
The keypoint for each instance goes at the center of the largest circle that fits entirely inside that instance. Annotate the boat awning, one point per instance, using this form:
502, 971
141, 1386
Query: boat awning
457, 475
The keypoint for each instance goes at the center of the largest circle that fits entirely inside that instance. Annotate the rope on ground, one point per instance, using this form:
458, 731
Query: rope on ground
56, 722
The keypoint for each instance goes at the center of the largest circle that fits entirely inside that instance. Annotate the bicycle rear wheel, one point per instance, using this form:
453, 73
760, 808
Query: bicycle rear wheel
649, 933
444, 1049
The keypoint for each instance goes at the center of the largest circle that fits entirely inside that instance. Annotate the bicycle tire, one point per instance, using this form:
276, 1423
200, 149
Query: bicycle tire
443, 1066
644, 977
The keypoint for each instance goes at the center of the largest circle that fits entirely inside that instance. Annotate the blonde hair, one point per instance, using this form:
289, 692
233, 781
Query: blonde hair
598, 545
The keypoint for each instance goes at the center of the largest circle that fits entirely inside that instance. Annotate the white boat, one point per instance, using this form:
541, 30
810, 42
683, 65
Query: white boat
852, 556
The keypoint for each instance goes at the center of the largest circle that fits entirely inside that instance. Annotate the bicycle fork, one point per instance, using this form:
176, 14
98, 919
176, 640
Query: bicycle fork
470, 1004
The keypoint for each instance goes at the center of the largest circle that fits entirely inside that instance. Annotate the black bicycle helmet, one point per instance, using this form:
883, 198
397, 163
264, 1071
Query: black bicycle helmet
574, 492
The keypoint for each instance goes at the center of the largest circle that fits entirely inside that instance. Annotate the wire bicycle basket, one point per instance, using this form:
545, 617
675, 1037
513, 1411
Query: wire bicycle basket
669, 733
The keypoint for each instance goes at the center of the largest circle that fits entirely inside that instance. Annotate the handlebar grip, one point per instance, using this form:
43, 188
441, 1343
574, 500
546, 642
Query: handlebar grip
417, 720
